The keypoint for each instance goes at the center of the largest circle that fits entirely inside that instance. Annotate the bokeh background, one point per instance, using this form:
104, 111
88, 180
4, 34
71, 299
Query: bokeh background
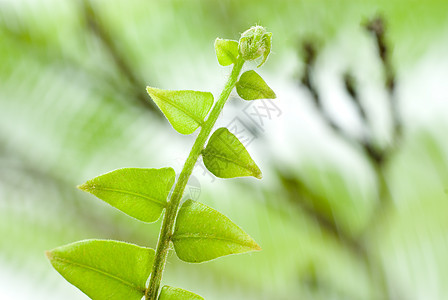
353, 203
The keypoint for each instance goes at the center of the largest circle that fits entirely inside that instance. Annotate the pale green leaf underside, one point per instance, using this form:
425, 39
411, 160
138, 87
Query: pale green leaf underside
252, 87
140, 193
203, 234
226, 51
185, 110
104, 269
172, 293
226, 157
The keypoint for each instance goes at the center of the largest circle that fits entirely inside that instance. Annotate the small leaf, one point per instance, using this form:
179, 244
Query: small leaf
140, 193
185, 110
104, 269
226, 157
171, 293
252, 87
203, 234
226, 51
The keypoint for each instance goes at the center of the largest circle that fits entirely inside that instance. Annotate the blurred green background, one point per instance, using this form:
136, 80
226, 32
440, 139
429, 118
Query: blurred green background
333, 224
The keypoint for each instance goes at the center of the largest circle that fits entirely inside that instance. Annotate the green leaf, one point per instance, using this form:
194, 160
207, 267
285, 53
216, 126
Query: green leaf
171, 293
226, 157
104, 269
185, 110
140, 193
252, 87
226, 51
267, 39
202, 234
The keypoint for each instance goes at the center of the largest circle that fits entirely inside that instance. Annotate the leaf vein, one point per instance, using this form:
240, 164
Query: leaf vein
183, 109
236, 162
131, 193
254, 87
229, 54
102, 272
211, 237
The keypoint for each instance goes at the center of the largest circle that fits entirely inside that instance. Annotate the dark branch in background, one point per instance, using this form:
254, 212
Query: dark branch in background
367, 144
377, 28
314, 283
350, 87
298, 192
95, 25
310, 54
38, 47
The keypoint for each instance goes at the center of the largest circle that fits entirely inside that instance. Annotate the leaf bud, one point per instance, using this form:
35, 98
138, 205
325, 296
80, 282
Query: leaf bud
254, 43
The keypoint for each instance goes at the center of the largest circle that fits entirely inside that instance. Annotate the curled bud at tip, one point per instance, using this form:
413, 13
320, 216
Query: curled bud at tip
254, 43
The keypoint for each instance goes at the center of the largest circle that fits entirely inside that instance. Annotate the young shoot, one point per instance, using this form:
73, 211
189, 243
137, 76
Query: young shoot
107, 269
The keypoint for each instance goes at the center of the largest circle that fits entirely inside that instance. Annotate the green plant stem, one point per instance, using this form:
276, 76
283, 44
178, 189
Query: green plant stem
166, 231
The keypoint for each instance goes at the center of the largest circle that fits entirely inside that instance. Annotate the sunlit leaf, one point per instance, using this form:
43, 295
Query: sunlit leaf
226, 157
252, 87
140, 193
202, 234
172, 293
185, 110
104, 269
226, 51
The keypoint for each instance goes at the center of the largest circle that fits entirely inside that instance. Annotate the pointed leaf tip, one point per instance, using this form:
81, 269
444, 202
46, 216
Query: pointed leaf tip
252, 87
185, 110
226, 157
104, 269
226, 51
140, 193
83, 187
202, 233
